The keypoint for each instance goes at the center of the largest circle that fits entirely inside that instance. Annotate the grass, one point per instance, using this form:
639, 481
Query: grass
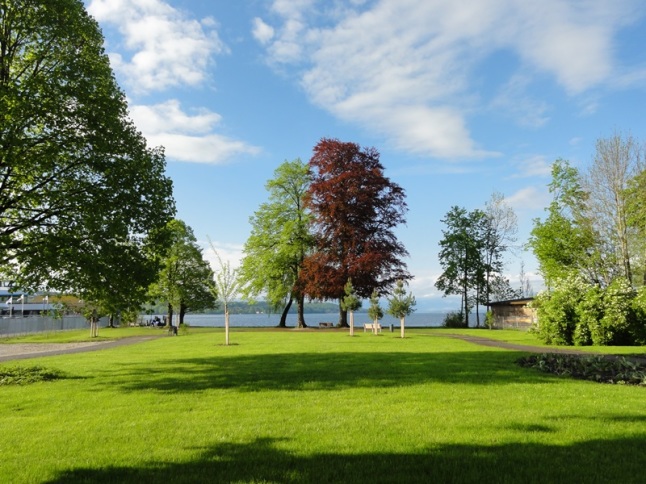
315, 406
83, 335
530, 339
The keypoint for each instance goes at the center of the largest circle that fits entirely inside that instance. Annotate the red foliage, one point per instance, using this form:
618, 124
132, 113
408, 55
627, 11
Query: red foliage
355, 209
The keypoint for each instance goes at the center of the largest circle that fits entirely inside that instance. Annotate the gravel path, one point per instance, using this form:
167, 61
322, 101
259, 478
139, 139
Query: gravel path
22, 351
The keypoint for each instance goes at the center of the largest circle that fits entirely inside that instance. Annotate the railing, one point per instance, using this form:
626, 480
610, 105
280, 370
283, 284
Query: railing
39, 324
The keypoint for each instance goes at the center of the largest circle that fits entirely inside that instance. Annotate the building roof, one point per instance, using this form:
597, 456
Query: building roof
523, 301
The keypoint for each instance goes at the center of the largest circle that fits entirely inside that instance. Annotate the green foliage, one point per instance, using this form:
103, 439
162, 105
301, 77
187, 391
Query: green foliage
489, 320
453, 320
557, 310
602, 369
564, 242
82, 195
185, 278
401, 304
18, 375
576, 312
279, 241
350, 302
375, 311
589, 310
130, 316
638, 331
461, 256
617, 317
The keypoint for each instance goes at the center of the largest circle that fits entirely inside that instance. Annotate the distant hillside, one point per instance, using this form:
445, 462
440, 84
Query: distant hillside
241, 307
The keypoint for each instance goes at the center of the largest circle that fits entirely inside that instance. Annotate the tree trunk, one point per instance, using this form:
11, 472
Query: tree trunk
283, 317
478, 308
169, 322
343, 317
300, 303
465, 298
226, 324
182, 313
402, 322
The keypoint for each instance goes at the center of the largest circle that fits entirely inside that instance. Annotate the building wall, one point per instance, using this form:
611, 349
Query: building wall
513, 317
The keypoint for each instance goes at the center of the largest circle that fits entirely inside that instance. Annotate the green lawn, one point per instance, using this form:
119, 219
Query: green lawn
83, 335
316, 406
527, 338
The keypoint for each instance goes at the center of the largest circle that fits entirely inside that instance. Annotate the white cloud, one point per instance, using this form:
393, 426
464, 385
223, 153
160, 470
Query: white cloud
513, 100
533, 166
162, 47
403, 68
228, 252
423, 286
262, 32
575, 141
187, 137
529, 198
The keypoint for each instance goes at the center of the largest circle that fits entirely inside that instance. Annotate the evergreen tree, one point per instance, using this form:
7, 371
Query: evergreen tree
401, 305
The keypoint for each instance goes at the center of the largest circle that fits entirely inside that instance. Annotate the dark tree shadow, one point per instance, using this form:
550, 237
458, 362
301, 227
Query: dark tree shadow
315, 371
596, 461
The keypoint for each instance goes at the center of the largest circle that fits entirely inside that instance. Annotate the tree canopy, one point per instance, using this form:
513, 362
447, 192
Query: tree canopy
565, 242
185, 279
280, 239
355, 209
82, 197
460, 257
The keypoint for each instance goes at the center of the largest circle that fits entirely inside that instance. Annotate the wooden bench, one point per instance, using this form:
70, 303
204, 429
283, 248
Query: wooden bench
326, 325
371, 327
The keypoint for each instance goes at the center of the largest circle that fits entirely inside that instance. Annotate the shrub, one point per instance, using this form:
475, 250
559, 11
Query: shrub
557, 311
614, 324
638, 328
589, 311
583, 314
454, 320
597, 368
489, 320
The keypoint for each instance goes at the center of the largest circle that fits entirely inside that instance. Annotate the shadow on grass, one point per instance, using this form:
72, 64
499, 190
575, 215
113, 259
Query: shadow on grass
326, 371
596, 461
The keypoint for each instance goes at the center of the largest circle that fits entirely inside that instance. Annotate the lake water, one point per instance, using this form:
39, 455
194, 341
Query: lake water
313, 319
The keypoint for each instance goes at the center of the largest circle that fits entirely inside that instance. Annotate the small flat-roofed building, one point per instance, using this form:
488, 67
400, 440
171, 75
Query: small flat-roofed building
513, 314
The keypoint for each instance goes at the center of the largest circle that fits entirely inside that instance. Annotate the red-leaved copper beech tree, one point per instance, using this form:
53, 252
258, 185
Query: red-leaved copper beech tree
355, 209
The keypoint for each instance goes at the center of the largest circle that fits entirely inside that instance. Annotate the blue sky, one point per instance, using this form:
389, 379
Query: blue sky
462, 99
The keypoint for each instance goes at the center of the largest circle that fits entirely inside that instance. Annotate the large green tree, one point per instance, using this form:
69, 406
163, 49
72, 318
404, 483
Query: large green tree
355, 209
565, 242
185, 279
81, 195
463, 271
279, 241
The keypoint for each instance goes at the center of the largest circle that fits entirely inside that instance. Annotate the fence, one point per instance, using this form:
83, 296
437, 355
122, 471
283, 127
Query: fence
39, 324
